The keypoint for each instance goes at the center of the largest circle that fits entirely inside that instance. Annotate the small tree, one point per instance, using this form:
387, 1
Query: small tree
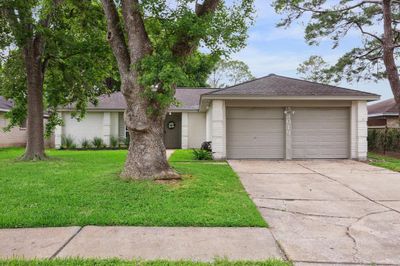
315, 69
49, 60
229, 73
155, 44
376, 21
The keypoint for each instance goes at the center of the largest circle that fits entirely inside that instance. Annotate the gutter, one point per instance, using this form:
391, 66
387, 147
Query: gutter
261, 97
383, 114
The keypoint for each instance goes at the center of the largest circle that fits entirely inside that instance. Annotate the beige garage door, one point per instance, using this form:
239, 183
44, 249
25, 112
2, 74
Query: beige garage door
255, 133
320, 133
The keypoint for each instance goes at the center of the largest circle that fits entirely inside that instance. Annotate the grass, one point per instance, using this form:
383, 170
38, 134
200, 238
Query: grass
117, 262
182, 156
384, 161
83, 188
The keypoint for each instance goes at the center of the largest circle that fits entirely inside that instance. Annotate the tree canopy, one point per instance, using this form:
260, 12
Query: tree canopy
156, 45
228, 73
377, 24
76, 61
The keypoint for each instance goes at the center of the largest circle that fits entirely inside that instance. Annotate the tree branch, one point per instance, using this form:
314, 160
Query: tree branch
186, 43
138, 39
116, 37
367, 33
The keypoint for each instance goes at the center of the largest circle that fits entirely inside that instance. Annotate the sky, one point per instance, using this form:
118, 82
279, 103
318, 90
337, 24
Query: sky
280, 51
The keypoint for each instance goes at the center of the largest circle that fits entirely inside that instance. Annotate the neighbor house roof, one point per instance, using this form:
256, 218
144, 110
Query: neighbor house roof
189, 99
5, 105
384, 108
279, 86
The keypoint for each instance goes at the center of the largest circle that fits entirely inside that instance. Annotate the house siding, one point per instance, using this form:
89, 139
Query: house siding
15, 137
196, 129
94, 124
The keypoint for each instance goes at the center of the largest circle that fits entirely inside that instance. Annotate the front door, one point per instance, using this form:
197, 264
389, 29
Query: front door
173, 131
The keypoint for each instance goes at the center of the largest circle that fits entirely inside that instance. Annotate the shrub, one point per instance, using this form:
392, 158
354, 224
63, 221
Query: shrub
98, 143
384, 139
200, 154
126, 141
114, 142
86, 144
67, 142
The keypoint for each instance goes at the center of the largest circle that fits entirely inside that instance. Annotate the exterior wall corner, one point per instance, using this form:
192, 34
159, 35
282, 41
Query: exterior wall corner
107, 128
359, 130
185, 130
218, 133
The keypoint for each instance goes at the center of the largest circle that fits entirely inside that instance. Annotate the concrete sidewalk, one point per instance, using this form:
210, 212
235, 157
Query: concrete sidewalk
149, 243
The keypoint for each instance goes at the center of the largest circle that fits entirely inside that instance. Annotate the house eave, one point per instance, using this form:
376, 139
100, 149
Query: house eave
383, 114
207, 97
122, 110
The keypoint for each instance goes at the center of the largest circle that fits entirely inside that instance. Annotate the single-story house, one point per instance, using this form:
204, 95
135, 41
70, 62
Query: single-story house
17, 136
272, 117
384, 114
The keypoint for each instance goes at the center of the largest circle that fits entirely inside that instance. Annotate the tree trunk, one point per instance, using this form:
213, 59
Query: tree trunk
34, 73
146, 155
388, 50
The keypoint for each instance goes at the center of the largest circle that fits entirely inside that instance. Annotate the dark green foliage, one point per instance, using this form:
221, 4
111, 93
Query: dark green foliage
67, 142
114, 142
77, 59
219, 34
98, 143
126, 141
384, 139
200, 154
86, 144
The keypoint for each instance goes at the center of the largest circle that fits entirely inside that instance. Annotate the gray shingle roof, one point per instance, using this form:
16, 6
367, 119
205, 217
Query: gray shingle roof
5, 104
386, 107
275, 85
189, 99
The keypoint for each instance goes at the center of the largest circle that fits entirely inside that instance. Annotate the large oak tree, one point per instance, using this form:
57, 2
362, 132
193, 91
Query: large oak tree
377, 23
53, 52
155, 43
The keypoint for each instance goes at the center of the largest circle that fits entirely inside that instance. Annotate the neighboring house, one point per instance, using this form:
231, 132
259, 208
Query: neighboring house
384, 114
17, 136
273, 117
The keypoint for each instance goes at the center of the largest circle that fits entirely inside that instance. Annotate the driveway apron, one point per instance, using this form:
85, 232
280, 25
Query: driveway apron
327, 211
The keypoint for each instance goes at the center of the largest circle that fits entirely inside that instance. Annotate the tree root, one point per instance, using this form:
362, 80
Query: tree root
33, 157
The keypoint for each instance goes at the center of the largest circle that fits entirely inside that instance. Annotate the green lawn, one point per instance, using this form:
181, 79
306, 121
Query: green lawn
116, 262
83, 188
384, 161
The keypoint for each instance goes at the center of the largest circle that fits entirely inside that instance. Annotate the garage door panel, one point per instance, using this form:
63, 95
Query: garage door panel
254, 113
255, 133
254, 127
320, 133
256, 153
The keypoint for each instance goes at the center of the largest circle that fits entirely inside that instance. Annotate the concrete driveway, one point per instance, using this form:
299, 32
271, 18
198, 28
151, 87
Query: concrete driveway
327, 211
